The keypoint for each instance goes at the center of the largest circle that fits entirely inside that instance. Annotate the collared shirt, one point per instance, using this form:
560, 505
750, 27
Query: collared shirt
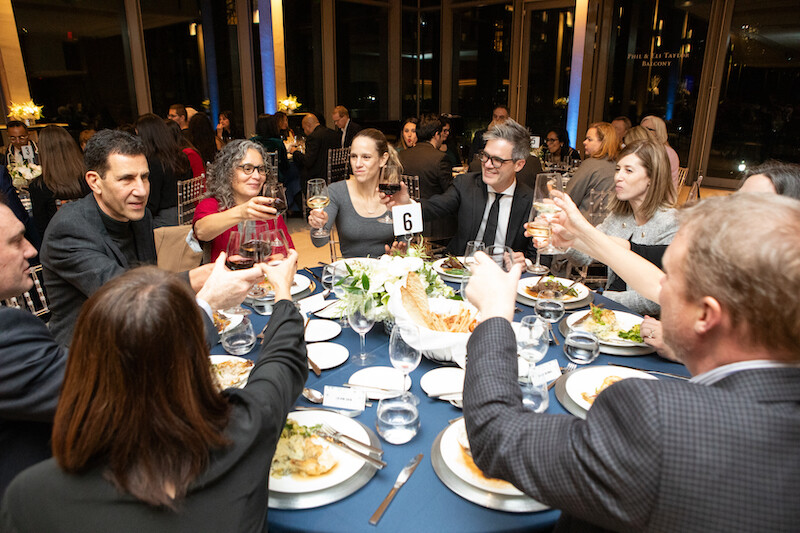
344, 131
717, 374
503, 216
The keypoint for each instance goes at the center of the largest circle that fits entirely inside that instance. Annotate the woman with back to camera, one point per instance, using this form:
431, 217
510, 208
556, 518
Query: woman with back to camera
557, 144
355, 205
233, 183
596, 172
195, 159
62, 178
202, 136
408, 135
143, 440
167, 163
658, 128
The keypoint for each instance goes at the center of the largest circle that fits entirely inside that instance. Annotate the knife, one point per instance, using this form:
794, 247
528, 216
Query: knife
377, 463
659, 372
401, 479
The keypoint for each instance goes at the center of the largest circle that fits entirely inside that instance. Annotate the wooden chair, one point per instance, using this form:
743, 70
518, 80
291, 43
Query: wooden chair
189, 193
337, 164
412, 182
682, 172
35, 303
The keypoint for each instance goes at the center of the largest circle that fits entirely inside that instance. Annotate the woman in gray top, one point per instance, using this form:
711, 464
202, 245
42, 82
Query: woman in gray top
596, 173
355, 205
641, 213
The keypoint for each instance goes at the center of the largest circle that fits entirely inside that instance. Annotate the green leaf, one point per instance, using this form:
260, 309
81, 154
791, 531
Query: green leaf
365, 281
350, 270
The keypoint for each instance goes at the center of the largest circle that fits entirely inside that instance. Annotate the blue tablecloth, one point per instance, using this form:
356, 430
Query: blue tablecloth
424, 503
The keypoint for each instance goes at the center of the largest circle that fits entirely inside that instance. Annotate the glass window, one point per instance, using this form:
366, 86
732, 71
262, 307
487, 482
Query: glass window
76, 61
655, 59
758, 117
302, 42
549, 63
362, 51
420, 88
481, 58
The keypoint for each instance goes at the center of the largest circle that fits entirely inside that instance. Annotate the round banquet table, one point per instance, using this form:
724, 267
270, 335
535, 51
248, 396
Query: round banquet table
424, 503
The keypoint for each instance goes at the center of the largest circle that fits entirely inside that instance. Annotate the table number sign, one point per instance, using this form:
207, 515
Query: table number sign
407, 219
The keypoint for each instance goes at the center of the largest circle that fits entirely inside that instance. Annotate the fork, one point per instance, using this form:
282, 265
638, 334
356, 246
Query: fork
565, 370
341, 436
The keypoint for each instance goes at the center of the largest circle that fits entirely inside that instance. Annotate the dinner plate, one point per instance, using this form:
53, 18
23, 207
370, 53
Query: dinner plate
381, 377
625, 321
327, 354
322, 330
437, 267
217, 359
235, 320
582, 290
444, 380
334, 310
624, 351
347, 464
588, 380
462, 465
300, 284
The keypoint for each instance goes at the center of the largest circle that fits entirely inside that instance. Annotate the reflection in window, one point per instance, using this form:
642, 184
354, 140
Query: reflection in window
656, 58
362, 75
481, 57
758, 117
420, 89
302, 42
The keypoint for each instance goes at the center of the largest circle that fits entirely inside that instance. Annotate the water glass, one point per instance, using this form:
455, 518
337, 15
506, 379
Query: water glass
535, 395
549, 310
240, 339
472, 248
398, 418
361, 321
502, 255
533, 339
404, 352
464, 282
581, 347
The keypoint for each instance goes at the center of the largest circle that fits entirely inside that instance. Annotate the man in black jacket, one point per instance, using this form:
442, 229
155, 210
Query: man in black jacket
319, 139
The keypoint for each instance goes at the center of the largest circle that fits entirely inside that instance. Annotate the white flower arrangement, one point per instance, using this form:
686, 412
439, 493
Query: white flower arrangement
370, 284
289, 103
23, 173
25, 111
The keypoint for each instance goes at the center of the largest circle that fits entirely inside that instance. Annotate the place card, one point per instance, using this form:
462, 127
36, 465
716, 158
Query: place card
547, 372
407, 219
344, 398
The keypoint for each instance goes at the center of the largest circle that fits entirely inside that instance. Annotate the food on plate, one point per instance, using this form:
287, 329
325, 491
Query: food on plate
266, 285
603, 323
300, 452
590, 397
551, 285
466, 458
453, 266
231, 372
415, 302
221, 321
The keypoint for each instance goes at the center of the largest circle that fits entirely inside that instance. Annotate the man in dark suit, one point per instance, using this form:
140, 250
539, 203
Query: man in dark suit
499, 115
347, 129
717, 453
319, 139
32, 363
490, 206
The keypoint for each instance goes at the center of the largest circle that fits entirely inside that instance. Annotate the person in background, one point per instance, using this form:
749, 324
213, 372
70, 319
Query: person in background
268, 135
774, 177
234, 183
596, 172
355, 204
621, 126
84, 137
426, 160
13, 202
718, 452
448, 142
283, 125
557, 144
202, 136
195, 159
167, 163
225, 129
639, 133
21, 148
408, 135
658, 128
63, 176
347, 128
144, 442
319, 139
177, 113
500, 114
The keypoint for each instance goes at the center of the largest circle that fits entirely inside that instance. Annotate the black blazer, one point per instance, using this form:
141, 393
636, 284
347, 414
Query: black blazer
352, 130
430, 165
314, 163
466, 199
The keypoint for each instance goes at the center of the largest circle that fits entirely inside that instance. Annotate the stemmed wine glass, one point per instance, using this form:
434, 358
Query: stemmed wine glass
549, 310
533, 340
238, 257
540, 232
361, 320
404, 352
275, 190
278, 247
388, 184
472, 248
502, 255
543, 205
317, 198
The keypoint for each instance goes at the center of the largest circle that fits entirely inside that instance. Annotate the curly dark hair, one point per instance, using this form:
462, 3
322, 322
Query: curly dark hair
219, 175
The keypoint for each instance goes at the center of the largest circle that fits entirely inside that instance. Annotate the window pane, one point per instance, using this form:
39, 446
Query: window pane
757, 117
427, 83
656, 61
302, 42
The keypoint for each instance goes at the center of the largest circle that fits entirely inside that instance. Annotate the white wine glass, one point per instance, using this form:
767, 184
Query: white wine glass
404, 352
317, 198
545, 207
540, 233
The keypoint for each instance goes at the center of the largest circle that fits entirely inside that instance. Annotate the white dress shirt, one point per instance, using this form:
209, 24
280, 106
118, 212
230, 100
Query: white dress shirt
503, 215
717, 374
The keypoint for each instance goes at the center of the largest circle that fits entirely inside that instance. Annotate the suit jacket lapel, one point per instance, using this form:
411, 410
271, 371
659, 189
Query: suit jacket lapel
520, 209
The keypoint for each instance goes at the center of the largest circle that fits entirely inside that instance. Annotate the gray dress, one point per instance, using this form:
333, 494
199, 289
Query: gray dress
660, 229
358, 236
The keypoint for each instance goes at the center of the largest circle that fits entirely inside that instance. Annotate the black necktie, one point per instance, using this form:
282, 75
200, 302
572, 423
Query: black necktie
491, 222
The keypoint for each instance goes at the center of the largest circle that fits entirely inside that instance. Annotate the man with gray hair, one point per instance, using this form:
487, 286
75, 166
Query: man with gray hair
716, 453
490, 205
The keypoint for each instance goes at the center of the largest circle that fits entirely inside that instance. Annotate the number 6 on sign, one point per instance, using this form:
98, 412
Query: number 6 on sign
407, 219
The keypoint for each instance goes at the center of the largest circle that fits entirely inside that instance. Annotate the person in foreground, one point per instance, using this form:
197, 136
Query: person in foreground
718, 452
142, 439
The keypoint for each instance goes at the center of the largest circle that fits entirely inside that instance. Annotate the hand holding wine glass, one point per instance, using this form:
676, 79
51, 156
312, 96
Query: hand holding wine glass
389, 185
544, 206
275, 190
317, 199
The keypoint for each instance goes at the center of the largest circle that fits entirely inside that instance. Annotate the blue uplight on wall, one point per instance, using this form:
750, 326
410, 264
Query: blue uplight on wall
267, 56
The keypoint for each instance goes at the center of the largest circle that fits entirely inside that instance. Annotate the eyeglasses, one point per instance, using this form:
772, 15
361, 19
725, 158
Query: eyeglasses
20, 138
552, 140
497, 162
248, 169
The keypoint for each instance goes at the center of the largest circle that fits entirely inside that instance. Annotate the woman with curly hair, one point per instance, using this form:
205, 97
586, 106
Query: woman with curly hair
234, 183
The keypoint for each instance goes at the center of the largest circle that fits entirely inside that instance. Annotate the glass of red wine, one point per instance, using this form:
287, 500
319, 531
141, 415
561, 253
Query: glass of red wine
277, 192
388, 184
239, 257
279, 248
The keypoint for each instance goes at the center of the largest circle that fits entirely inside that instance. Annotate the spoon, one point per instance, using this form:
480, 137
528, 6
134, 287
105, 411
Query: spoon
312, 395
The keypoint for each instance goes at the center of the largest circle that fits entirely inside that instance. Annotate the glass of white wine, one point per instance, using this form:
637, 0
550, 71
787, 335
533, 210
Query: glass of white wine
317, 198
539, 230
544, 206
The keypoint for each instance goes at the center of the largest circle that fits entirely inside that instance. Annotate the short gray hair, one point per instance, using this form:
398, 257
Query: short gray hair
751, 269
513, 132
220, 173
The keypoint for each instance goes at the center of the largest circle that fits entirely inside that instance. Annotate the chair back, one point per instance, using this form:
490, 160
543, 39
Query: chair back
682, 172
412, 182
271, 163
333, 243
189, 193
34, 300
337, 164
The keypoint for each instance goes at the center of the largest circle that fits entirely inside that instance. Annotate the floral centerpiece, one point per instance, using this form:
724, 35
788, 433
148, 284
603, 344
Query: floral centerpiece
289, 104
22, 174
26, 111
369, 284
